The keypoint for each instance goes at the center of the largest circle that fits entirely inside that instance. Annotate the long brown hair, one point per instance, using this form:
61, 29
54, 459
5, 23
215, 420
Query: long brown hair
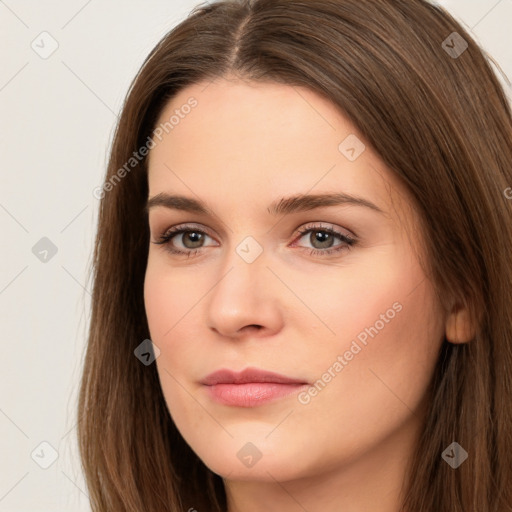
434, 111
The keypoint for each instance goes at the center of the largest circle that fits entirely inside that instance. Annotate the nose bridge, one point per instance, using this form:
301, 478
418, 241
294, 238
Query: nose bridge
244, 270
241, 296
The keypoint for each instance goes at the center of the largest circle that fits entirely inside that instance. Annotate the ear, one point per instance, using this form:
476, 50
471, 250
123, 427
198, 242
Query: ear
459, 325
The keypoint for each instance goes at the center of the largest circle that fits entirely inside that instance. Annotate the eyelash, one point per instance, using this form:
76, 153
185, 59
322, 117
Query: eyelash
165, 239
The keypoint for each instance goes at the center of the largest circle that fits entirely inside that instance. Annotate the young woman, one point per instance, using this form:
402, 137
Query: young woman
302, 275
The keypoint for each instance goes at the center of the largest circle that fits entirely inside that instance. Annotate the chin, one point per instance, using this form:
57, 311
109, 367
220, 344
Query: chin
261, 472
237, 460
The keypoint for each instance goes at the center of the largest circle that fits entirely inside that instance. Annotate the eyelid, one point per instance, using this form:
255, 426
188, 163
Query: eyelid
298, 233
171, 233
187, 227
304, 228
348, 240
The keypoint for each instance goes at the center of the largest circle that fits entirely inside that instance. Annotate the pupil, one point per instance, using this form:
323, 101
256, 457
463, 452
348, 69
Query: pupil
192, 234
322, 237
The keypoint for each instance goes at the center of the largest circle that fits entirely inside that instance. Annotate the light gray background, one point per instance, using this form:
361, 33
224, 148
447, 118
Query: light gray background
58, 116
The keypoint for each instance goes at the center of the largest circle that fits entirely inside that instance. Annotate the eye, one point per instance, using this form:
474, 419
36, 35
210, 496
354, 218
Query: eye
190, 240
322, 239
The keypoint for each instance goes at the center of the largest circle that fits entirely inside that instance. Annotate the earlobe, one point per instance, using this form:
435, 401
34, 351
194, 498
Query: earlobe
459, 325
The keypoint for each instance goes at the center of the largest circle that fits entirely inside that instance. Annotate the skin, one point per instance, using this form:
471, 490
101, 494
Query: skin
244, 146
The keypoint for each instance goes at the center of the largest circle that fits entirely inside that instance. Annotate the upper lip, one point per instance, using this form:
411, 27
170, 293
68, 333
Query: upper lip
225, 376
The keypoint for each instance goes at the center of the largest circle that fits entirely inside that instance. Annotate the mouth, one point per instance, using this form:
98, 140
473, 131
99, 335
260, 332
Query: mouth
251, 387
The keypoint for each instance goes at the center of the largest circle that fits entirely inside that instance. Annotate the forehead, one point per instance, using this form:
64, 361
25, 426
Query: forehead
257, 116
248, 143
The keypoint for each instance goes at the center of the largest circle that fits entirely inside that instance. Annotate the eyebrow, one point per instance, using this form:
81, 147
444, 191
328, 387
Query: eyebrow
285, 205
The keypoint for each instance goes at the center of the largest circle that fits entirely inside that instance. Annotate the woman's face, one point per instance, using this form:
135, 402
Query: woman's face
266, 281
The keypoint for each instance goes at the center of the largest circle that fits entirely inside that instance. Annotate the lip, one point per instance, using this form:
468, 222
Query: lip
251, 387
249, 375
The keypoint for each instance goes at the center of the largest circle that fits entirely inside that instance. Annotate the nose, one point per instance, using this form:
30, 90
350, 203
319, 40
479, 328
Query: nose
245, 299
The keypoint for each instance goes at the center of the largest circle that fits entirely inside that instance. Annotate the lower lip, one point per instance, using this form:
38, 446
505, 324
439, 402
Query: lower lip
251, 394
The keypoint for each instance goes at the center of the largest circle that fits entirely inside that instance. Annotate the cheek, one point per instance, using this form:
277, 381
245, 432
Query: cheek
158, 303
387, 333
167, 301
168, 295
349, 299
171, 303
382, 358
